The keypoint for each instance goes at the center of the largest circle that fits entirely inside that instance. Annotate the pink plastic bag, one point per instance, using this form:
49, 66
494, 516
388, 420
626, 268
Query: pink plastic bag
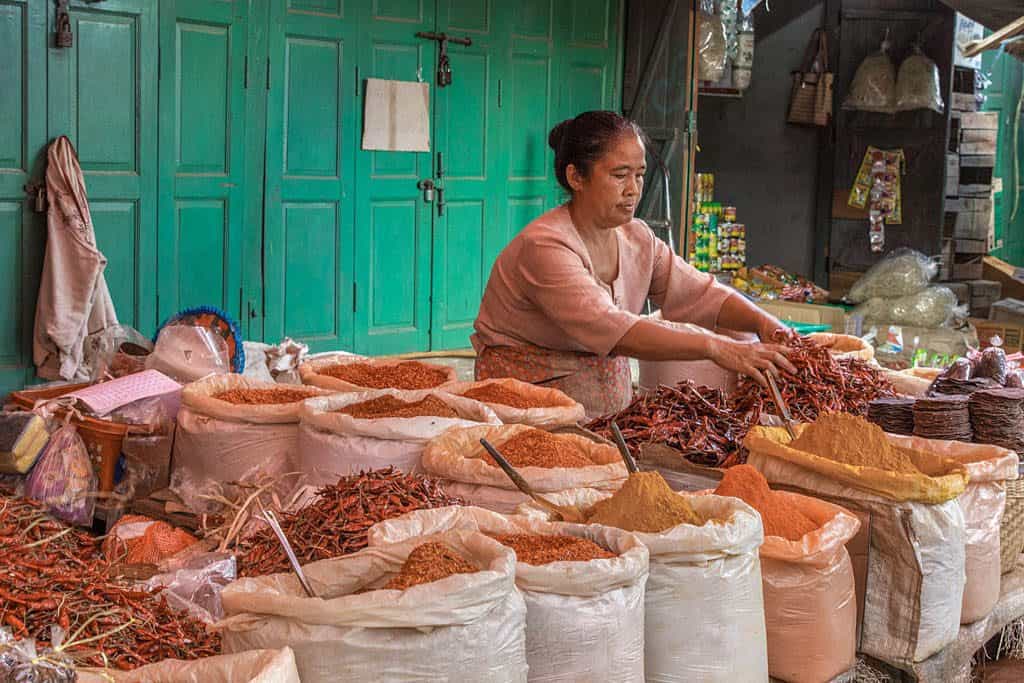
63, 478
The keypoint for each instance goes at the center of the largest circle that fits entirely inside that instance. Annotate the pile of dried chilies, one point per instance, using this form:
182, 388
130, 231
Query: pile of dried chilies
697, 420
822, 384
55, 575
708, 427
337, 521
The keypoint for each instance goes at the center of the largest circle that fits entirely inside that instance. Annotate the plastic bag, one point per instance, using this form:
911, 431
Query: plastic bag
901, 272
188, 353
932, 307
466, 627
993, 364
63, 478
22, 662
255, 666
196, 585
584, 620
874, 84
704, 611
115, 352
712, 44
917, 84
456, 457
961, 369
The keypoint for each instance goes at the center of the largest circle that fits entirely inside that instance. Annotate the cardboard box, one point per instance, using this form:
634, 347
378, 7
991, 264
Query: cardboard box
968, 135
811, 314
971, 246
987, 160
961, 289
1008, 311
985, 289
983, 119
958, 204
952, 174
986, 148
1009, 334
972, 225
1006, 274
964, 102
968, 270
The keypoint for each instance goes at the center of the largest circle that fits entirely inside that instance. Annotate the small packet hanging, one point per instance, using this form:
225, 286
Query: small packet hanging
63, 478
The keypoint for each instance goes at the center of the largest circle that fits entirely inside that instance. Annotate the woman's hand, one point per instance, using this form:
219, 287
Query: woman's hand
751, 359
770, 330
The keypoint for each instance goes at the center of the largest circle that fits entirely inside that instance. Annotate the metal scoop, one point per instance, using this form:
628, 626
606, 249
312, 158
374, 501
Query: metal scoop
271, 519
566, 514
627, 457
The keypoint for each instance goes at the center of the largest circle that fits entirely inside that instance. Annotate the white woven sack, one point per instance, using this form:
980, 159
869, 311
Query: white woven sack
564, 411
704, 617
584, 620
200, 397
254, 666
310, 371
456, 455
466, 627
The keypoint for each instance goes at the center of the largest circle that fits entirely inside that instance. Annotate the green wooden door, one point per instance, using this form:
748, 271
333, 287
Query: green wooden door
310, 136
103, 96
1003, 96
22, 137
469, 138
202, 135
393, 222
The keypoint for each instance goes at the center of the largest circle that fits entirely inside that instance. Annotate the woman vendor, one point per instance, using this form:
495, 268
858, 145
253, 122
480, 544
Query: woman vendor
562, 304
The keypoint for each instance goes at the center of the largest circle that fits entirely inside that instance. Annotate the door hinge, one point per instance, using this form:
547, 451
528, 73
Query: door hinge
268, 73
245, 73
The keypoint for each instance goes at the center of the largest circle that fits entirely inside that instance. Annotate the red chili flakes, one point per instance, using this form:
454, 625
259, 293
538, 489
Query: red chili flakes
389, 406
256, 397
428, 563
409, 375
496, 393
540, 549
537, 448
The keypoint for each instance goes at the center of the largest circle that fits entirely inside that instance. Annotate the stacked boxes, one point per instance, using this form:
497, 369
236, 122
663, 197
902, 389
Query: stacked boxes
983, 293
1009, 311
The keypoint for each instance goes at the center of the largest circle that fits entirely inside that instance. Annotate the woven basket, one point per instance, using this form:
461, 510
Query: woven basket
1011, 532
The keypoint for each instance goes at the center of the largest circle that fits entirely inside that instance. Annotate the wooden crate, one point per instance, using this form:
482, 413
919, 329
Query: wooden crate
1010, 334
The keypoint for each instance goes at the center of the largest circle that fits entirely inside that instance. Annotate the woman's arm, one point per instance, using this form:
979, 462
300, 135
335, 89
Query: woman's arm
649, 340
742, 315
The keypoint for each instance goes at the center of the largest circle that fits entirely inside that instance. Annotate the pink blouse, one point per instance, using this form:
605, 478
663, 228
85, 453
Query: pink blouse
543, 289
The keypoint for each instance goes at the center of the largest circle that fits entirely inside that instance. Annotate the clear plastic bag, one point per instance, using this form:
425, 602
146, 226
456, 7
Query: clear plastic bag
187, 353
993, 364
901, 273
22, 662
917, 84
148, 412
63, 478
932, 307
711, 47
115, 352
196, 585
874, 84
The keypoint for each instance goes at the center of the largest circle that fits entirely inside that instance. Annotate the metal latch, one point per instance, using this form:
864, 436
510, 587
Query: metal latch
427, 186
36, 193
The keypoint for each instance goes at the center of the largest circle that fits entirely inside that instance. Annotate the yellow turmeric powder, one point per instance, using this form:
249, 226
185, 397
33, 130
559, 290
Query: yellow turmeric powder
852, 440
644, 503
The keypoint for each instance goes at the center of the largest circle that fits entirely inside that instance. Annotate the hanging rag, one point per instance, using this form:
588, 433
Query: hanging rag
74, 301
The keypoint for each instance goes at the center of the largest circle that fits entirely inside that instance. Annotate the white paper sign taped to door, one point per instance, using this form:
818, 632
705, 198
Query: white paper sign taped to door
397, 116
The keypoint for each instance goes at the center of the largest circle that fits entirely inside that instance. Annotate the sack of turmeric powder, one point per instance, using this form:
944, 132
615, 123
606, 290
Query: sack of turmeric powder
584, 619
909, 566
548, 462
704, 617
253, 666
983, 503
518, 402
939, 479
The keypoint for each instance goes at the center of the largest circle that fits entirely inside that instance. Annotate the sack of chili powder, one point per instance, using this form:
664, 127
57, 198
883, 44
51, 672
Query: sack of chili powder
584, 619
463, 627
518, 402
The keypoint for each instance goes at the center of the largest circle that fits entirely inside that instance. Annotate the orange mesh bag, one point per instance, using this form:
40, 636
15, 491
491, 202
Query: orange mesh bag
137, 539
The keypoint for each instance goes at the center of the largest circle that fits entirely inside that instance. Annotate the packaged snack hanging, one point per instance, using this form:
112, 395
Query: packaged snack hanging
874, 83
878, 189
917, 84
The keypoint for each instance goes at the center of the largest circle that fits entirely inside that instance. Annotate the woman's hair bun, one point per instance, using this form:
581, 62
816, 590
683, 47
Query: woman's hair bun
558, 133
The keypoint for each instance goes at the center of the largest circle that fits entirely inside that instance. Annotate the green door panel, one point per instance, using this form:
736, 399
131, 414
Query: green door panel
22, 136
310, 135
1002, 96
469, 142
202, 138
103, 96
393, 233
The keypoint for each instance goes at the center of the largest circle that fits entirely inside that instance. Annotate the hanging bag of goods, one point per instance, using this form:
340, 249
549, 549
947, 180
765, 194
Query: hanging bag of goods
517, 402
704, 611
548, 462
983, 503
235, 429
346, 433
354, 373
910, 582
583, 587
809, 593
810, 102
254, 666
438, 609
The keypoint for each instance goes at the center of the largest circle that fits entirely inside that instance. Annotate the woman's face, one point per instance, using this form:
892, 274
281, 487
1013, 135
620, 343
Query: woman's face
611, 191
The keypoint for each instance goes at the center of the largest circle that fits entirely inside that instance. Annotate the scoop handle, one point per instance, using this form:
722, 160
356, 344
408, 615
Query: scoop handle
620, 441
518, 480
